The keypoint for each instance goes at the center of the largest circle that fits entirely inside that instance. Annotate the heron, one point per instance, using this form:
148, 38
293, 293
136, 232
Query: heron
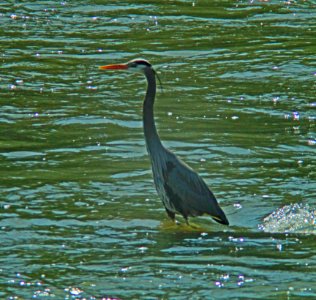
180, 188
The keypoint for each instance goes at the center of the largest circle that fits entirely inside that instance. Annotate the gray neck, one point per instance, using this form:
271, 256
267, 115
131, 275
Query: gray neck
150, 131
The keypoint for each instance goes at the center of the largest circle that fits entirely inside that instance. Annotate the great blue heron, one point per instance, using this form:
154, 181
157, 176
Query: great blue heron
181, 189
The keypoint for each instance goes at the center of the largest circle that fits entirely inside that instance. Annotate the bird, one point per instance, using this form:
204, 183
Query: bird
180, 188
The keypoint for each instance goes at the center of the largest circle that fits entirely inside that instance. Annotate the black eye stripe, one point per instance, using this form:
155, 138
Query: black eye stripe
141, 62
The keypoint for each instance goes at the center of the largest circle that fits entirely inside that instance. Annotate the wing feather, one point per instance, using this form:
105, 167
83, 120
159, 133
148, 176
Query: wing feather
189, 192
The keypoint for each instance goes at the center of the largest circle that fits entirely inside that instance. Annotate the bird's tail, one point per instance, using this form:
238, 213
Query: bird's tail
220, 217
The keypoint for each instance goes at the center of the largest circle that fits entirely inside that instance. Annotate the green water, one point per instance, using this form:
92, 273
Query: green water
79, 215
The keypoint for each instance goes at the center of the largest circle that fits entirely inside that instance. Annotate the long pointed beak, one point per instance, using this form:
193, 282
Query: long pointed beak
114, 67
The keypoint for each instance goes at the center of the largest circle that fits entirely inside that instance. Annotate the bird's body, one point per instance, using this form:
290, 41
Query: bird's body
180, 188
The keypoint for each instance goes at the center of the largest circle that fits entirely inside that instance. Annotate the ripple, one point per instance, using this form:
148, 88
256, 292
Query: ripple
79, 214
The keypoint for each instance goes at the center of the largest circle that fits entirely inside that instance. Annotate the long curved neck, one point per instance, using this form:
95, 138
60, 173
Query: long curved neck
150, 131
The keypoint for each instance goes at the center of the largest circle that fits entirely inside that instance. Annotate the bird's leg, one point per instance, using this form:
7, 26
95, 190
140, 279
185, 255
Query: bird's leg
171, 215
186, 220
193, 226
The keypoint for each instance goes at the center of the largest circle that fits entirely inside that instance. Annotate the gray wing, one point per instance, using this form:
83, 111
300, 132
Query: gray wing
188, 192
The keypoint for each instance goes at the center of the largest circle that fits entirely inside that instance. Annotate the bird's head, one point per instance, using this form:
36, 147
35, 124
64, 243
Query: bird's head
135, 66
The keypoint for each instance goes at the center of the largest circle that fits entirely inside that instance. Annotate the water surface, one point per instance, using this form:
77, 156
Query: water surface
79, 215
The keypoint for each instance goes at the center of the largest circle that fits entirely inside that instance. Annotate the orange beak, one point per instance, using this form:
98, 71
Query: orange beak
114, 67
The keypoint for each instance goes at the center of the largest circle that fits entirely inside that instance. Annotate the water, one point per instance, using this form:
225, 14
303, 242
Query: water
295, 218
79, 215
